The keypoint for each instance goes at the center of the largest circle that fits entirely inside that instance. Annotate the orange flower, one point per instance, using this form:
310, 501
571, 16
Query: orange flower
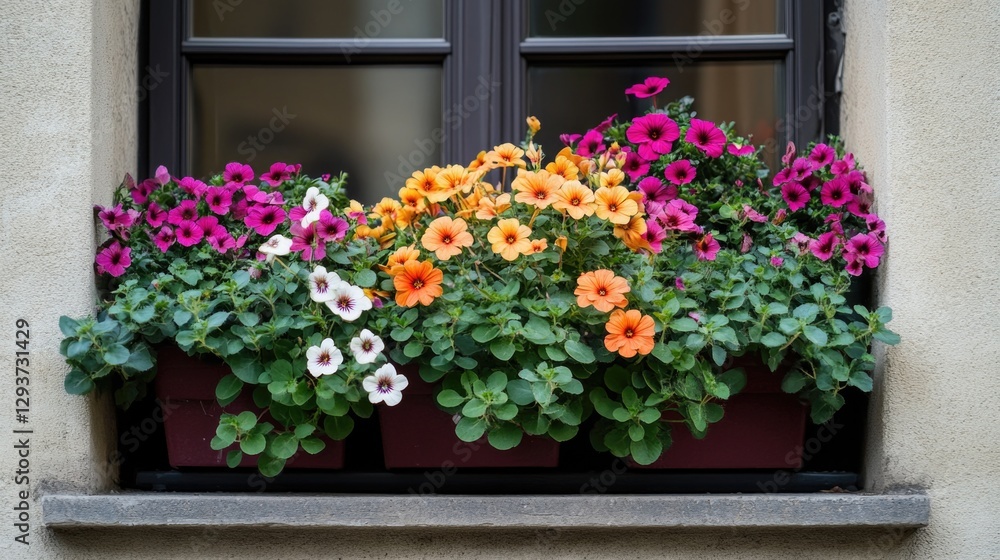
562, 243
412, 198
446, 237
534, 125
490, 208
534, 155
396, 260
510, 239
450, 181
479, 162
355, 211
612, 178
565, 167
615, 205
602, 289
425, 182
575, 199
386, 209
418, 282
633, 233
536, 188
506, 155
567, 153
384, 234
537, 246
630, 333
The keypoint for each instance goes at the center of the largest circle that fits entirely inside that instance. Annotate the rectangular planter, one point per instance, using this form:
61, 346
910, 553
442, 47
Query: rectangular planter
188, 384
418, 434
763, 428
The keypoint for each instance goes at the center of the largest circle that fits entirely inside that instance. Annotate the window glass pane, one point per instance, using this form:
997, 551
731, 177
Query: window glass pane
366, 120
576, 99
359, 19
645, 18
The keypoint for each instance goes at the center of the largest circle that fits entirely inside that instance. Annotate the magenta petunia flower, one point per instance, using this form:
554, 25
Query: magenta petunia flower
655, 234
648, 88
753, 215
165, 238
219, 200
330, 227
776, 262
823, 247
304, 239
680, 172
676, 217
740, 151
114, 218
654, 133
193, 187
746, 244
854, 265
822, 155
162, 175
802, 168
240, 209
795, 195
843, 166
836, 192
789, 153
654, 191
706, 248
187, 211
220, 240
265, 219
866, 248
635, 165
707, 137
114, 259
606, 123
278, 174
237, 173
140, 194
591, 144
782, 177
297, 213
801, 242
189, 233
155, 216
569, 139
876, 226
811, 182
679, 283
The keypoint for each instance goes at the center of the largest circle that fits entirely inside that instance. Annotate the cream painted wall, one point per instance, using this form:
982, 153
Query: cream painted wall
921, 109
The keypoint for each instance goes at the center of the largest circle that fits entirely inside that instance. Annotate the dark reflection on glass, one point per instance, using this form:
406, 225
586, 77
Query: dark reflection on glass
359, 19
575, 99
369, 121
644, 18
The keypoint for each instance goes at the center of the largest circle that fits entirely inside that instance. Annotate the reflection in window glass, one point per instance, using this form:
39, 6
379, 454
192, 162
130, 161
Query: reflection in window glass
749, 93
369, 121
360, 19
645, 18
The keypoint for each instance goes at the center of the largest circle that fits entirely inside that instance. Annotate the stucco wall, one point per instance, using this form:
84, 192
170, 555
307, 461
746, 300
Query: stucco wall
921, 110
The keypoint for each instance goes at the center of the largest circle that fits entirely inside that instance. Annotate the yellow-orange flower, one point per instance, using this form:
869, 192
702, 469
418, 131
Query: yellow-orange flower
424, 181
445, 237
602, 289
510, 239
633, 233
506, 155
418, 282
490, 208
537, 246
615, 205
562, 243
575, 199
565, 167
479, 162
534, 155
450, 181
396, 260
612, 178
536, 188
412, 198
386, 209
534, 125
567, 153
355, 211
384, 234
630, 333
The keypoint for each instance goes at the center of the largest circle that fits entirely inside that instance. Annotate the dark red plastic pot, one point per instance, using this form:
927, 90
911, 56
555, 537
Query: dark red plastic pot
418, 434
186, 387
763, 428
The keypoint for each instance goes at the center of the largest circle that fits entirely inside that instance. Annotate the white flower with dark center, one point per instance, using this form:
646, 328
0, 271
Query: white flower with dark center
313, 203
366, 347
277, 246
322, 284
385, 385
324, 359
348, 301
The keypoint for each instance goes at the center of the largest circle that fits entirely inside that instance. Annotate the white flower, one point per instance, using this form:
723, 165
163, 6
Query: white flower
314, 203
310, 218
324, 359
348, 301
366, 347
322, 284
386, 385
278, 245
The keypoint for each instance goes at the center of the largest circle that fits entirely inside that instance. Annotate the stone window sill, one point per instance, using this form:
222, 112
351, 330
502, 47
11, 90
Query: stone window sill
756, 511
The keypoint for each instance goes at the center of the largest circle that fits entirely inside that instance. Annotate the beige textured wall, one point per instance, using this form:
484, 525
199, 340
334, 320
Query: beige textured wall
921, 111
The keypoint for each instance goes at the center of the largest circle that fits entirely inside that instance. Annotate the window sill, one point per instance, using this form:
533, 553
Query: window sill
758, 511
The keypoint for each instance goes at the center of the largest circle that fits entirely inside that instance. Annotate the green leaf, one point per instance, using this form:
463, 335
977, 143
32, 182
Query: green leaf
861, 380
580, 352
253, 444
449, 398
68, 326
228, 387
248, 318
646, 451
886, 336
116, 354
181, 317
503, 349
284, 446
773, 340
470, 429
78, 383
815, 335
140, 360
485, 333
246, 420
226, 434
636, 432
401, 334
246, 366
270, 466
234, 458
338, 427
520, 392
475, 408
303, 431
562, 432
78, 348
662, 353
539, 331
649, 415
807, 312
684, 324
794, 381
413, 349
312, 445
143, 314
365, 278
506, 436
696, 414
